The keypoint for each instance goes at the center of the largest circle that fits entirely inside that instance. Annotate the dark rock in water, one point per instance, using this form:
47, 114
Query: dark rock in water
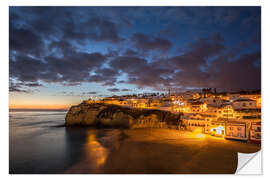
108, 115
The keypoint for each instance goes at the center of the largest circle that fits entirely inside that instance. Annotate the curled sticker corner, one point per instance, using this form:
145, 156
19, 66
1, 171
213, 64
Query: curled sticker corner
249, 163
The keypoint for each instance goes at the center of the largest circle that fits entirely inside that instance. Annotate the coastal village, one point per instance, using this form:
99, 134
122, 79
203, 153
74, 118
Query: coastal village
234, 116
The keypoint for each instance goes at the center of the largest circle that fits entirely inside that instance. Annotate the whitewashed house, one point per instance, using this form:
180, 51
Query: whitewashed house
244, 103
197, 107
216, 128
211, 101
236, 130
255, 132
194, 122
210, 120
234, 96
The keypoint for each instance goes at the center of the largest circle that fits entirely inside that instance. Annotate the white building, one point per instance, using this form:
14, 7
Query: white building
210, 120
212, 109
189, 95
244, 103
194, 122
255, 97
255, 132
236, 130
215, 127
211, 101
234, 96
197, 107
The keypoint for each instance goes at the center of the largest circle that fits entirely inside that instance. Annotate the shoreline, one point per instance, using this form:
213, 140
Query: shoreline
161, 151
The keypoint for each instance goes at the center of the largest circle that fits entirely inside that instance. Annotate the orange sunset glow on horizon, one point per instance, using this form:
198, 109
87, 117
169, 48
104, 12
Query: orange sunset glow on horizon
40, 106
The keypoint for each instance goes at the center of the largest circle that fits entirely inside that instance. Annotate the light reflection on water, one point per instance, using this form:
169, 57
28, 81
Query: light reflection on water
96, 151
93, 155
37, 144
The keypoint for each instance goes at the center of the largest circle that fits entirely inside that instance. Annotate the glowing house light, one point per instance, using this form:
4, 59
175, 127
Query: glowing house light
219, 131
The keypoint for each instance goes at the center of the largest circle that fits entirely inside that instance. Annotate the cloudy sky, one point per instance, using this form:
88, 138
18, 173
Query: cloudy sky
59, 56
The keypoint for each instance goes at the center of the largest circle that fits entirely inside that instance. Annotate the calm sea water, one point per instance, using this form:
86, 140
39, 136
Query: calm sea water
39, 143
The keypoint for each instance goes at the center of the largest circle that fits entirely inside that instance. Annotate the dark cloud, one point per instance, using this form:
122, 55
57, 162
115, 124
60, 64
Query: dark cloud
140, 72
112, 53
27, 69
241, 73
106, 30
147, 42
93, 29
130, 52
125, 90
113, 89
70, 46
24, 40
169, 32
192, 69
121, 81
107, 76
195, 71
32, 84
92, 92
70, 70
71, 93
207, 47
16, 88
221, 16
22, 87
198, 53
68, 93
128, 64
108, 83
74, 67
31, 29
61, 47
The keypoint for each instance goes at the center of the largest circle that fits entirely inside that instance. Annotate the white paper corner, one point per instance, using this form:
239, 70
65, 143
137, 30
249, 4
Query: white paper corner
249, 164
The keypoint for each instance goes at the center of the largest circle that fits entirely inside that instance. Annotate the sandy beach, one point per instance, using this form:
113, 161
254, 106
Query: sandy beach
162, 151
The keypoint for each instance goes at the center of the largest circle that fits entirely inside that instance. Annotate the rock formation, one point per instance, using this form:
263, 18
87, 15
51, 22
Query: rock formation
108, 115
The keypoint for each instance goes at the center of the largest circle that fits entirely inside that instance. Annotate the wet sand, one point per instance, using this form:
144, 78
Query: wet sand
159, 151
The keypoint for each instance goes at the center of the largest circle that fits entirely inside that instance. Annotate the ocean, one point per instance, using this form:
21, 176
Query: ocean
40, 144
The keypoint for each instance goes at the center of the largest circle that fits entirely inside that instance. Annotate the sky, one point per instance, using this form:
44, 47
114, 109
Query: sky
59, 56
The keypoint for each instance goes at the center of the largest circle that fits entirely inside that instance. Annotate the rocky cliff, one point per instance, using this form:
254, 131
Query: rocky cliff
105, 115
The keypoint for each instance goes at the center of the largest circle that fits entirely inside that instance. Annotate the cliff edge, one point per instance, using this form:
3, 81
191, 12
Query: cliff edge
108, 115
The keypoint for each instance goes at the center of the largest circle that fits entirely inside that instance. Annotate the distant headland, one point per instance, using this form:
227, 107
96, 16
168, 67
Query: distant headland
111, 115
